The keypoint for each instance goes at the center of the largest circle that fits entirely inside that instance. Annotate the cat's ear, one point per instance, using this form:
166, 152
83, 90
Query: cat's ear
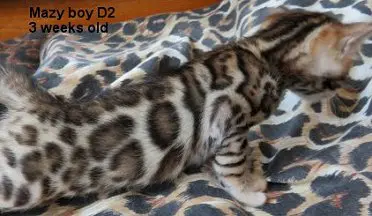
276, 10
272, 14
353, 37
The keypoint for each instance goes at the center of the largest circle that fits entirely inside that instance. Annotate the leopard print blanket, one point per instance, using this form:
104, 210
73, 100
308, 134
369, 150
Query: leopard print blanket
317, 157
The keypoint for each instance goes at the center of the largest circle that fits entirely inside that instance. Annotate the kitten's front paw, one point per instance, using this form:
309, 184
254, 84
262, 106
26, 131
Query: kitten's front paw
248, 189
249, 198
259, 198
258, 183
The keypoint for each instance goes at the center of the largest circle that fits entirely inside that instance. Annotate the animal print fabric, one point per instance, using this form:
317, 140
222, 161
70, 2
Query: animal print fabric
317, 157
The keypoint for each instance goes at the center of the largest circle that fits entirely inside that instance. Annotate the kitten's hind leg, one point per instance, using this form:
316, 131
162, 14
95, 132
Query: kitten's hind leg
232, 168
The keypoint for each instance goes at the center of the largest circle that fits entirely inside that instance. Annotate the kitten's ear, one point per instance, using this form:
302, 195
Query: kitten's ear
276, 10
272, 14
353, 37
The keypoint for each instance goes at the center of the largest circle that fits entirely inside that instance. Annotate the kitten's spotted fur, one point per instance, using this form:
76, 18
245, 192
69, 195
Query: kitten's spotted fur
148, 132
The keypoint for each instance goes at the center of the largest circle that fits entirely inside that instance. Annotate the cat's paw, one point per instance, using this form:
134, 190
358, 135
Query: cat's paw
258, 183
248, 189
250, 198
259, 198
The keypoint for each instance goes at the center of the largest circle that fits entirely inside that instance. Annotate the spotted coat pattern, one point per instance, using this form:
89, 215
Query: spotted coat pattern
316, 163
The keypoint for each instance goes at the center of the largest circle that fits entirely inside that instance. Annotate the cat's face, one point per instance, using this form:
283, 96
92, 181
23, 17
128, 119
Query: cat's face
315, 49
334, 47
328, 47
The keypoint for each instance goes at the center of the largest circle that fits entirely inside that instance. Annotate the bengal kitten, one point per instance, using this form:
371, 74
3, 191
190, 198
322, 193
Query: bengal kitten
144, 133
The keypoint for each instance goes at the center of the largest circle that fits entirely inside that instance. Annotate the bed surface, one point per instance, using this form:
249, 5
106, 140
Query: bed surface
317, 157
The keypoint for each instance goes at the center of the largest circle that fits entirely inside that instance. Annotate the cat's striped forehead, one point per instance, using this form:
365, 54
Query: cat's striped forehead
281, 28
298, 17
312, 43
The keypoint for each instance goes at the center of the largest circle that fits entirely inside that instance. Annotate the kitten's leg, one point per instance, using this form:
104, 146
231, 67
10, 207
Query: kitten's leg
232, 167
228, 126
